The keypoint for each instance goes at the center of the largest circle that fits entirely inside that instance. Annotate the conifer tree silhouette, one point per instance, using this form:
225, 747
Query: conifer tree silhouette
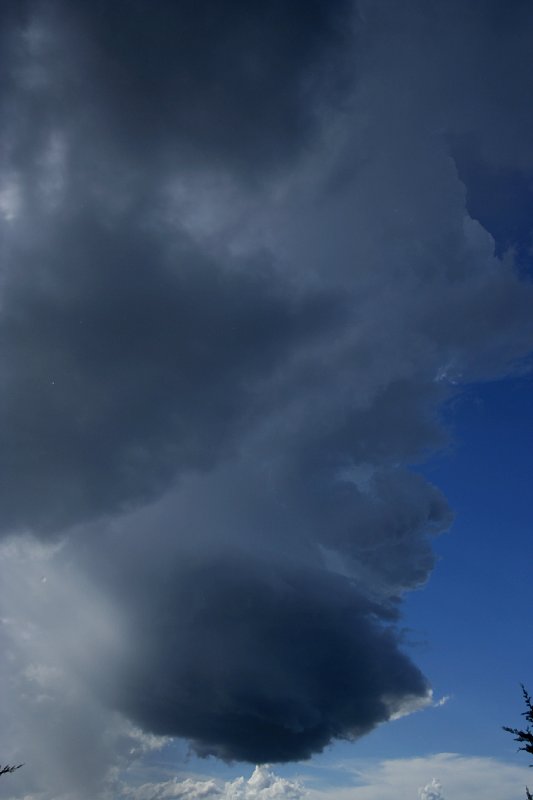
525, 735
9, 768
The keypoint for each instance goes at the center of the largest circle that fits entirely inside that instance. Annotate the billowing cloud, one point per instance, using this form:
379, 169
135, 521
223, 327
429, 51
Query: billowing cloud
239, 280
263, 784
431, 792
466, 777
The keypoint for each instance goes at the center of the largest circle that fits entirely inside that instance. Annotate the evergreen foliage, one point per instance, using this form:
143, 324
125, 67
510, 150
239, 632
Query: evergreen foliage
525, 735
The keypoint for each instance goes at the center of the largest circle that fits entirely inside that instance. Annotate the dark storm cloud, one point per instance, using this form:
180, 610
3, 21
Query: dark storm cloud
130, 351
239, 278
238, 82
240, 86
126, 359
238, 638
261, 662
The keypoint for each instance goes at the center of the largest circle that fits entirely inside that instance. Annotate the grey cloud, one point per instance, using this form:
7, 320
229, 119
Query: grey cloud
233, 301
259, 662
237, 80
471, 61
126, 359
261, 620
71, 744
237, 86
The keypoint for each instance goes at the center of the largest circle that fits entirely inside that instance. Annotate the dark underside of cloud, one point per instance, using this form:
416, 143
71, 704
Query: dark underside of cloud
240, 276
260, 661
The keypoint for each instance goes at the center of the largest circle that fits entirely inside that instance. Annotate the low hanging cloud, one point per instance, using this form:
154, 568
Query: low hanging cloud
239, 280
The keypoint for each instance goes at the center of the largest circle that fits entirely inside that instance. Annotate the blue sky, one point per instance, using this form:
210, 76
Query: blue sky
478, 595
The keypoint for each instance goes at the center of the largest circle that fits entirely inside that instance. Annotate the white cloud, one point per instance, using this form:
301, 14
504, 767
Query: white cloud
174, 789
442, 701
263, 784
71, 745
431, 792
461, 777
433, 777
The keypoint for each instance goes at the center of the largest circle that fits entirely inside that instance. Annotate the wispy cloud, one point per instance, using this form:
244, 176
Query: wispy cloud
443, 775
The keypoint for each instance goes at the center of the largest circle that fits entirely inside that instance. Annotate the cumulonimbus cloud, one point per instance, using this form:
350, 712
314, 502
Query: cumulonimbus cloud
239, 280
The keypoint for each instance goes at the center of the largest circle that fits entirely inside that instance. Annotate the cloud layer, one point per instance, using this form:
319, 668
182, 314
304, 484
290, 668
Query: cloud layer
463, 777
239, 280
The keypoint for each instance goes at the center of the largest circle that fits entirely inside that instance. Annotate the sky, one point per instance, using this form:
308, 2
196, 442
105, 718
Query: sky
266, 338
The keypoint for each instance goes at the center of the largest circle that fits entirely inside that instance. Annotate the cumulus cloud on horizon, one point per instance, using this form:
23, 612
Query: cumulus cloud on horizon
240, 279
263, 784
467, 778
460, 776
431, 792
